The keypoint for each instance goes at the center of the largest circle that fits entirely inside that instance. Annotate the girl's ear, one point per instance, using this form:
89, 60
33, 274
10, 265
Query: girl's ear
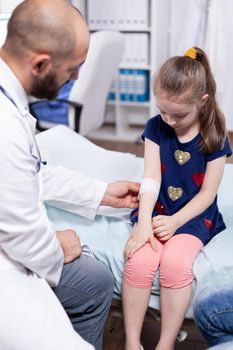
204, 98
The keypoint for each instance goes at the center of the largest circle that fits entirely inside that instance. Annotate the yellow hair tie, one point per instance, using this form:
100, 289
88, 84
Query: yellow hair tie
191, 53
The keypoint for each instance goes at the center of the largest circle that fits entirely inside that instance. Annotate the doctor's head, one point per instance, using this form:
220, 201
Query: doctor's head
47, 41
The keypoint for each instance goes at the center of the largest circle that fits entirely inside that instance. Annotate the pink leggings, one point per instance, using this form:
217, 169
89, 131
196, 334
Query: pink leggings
175, 259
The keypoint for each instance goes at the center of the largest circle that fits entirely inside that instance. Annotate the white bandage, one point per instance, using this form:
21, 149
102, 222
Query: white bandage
149, 185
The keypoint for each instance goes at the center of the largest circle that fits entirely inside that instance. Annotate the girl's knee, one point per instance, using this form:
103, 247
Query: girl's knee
140, 269
175, 273
177, 260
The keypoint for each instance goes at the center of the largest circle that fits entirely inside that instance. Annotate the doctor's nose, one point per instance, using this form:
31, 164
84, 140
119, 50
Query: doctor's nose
74, 75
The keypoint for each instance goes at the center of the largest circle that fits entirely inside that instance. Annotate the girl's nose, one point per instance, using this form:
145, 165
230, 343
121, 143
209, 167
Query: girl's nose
169, 120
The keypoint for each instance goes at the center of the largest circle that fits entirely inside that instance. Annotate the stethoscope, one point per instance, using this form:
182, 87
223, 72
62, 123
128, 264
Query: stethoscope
38, 159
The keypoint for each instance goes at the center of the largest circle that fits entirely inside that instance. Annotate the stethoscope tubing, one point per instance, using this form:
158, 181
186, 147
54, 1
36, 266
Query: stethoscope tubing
5, 93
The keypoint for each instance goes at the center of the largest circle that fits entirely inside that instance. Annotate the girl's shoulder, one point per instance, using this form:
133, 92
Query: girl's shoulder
152, 129
155, 129
154, 120
156, 123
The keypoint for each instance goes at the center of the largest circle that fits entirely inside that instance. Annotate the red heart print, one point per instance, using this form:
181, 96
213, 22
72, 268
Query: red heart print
198, 178
159, 208
208, 223
135, 214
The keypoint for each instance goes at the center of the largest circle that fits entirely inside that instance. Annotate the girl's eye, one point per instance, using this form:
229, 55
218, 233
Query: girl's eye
180, 116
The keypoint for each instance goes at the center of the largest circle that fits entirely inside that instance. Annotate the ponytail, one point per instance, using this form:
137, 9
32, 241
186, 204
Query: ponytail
212, 120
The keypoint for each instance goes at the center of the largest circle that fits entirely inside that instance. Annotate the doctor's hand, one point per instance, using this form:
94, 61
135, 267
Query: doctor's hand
70, 244
121, 194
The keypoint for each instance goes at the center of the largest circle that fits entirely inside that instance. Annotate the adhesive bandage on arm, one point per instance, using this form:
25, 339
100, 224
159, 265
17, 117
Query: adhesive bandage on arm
149, 185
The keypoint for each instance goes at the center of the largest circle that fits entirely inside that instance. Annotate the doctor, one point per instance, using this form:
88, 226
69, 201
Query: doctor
46, 43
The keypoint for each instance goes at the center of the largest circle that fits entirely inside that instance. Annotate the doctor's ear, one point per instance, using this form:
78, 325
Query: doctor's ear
41, 63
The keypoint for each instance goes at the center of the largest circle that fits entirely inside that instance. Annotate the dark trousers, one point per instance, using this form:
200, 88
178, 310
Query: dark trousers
85, 290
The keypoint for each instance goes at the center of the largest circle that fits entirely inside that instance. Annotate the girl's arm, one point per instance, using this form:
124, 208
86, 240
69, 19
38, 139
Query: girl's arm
152, 169
142, 232
166, 226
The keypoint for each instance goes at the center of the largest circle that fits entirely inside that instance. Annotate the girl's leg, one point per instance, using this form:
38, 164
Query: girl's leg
174, 304
176, 278
138, 278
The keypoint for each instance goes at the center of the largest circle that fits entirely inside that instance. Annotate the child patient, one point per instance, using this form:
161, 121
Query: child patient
186, 146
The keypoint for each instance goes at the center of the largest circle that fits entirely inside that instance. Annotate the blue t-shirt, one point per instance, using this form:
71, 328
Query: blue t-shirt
183, 168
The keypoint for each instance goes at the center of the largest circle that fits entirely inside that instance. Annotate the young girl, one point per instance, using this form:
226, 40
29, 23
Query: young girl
186, 146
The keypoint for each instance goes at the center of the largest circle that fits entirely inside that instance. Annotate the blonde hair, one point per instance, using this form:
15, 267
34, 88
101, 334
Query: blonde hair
189, 79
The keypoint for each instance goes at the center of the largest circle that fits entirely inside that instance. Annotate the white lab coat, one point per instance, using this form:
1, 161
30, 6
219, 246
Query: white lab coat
30, 254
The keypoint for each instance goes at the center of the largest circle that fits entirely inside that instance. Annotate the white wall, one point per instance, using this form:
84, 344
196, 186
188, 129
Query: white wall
8, 5
81, 5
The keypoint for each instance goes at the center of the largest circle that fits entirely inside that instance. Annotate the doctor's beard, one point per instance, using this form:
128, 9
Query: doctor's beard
46, 87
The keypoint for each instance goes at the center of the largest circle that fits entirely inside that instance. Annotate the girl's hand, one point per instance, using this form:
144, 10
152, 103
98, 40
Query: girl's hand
164, 227
141, 234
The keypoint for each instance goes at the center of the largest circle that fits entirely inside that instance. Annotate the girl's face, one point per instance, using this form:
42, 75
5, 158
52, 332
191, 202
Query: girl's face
180, 116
